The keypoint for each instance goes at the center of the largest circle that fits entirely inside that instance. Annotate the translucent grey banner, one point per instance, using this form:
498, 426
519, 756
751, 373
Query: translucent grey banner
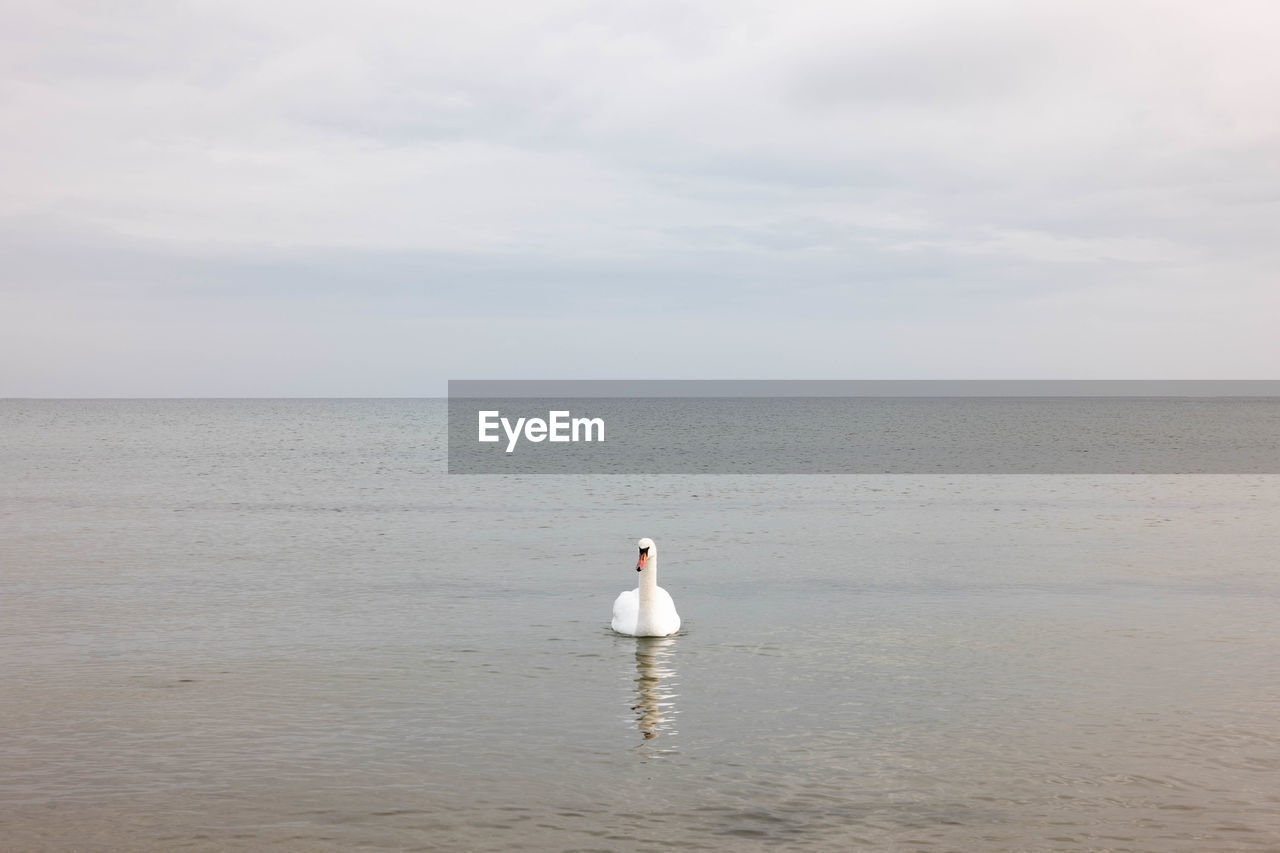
863, 427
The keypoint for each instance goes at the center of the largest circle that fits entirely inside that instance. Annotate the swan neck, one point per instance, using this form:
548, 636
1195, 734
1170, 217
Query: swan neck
649, 579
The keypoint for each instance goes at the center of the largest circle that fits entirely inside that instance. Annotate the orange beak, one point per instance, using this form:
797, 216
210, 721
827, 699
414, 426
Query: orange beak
640, 564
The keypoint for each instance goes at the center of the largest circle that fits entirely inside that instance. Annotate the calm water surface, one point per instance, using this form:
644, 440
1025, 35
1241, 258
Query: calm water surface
248, 625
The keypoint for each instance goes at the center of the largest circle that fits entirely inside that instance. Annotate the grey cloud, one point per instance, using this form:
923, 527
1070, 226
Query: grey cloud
957, 58
924, 173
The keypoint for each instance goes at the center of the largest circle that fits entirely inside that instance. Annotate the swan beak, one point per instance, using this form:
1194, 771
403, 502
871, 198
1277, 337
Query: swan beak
640, 564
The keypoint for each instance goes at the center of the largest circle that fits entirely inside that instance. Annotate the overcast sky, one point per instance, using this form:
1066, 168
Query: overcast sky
366, 199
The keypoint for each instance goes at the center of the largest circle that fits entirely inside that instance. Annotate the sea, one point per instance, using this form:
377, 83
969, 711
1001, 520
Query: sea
283, 625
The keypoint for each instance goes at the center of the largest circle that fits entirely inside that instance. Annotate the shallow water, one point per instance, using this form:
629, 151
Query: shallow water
279, 625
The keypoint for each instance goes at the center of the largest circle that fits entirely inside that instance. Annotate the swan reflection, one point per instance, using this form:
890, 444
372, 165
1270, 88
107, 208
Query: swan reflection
655, 686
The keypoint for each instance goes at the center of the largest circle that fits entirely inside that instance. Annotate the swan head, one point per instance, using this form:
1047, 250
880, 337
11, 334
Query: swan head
648, 551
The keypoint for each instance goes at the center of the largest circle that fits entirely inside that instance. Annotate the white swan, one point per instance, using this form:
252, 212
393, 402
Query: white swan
647, 610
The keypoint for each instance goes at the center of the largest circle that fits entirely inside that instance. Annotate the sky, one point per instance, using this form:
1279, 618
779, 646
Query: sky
249, 199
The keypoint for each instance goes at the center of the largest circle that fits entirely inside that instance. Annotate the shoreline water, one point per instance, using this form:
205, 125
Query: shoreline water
233, 628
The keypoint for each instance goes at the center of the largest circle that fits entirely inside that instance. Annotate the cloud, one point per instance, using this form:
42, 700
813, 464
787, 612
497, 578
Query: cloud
940, 170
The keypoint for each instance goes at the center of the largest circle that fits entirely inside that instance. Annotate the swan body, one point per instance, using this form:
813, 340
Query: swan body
648, 610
